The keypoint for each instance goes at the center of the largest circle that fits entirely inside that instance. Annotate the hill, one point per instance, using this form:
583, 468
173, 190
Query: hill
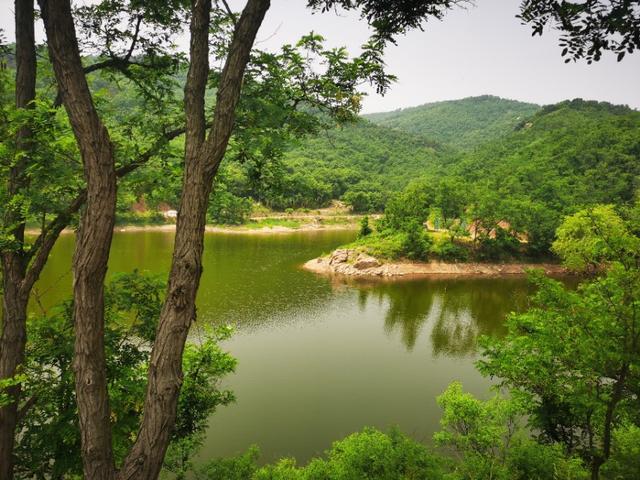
463, 124
570, 154
360, 163
564, 158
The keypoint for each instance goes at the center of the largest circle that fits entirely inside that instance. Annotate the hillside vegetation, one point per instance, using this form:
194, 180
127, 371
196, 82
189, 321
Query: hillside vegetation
363, 163
463, 123
531, 171
511, 194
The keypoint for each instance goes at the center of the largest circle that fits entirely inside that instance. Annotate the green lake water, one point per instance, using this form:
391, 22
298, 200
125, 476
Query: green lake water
319, 358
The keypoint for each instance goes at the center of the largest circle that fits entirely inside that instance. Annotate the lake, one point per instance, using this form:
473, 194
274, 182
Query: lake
319, 358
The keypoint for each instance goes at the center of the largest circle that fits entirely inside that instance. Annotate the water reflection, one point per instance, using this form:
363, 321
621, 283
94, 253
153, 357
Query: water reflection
452, 312
320, 358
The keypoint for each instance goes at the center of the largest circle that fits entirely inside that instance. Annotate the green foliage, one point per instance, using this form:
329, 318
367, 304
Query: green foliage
241, 467
49, 443
365, 197
450, 251
574, 357
491, 444
148, 217
464, 123
382, 244
516, 190
50, 174
417, 242
564, 158
7, 383
502, 245
624, 463
411, 205
362, 162
369, 454
227, 208
365, 229
587, 30
594, 237
482, 431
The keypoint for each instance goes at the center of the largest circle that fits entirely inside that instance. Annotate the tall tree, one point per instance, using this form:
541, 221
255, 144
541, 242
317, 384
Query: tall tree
575, 356
31, 161
203, 154
16, 286
93, 238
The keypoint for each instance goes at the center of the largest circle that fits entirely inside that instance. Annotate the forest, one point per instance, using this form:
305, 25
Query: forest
107, 123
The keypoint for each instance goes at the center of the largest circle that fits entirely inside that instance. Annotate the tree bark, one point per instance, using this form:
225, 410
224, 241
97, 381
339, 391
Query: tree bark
616, 397
14, 261
93, 240
202, 159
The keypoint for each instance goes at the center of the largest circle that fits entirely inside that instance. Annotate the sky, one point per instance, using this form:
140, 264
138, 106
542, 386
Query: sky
482, 49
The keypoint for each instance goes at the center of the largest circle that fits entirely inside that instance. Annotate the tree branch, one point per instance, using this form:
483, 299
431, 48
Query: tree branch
230, 12
46, 240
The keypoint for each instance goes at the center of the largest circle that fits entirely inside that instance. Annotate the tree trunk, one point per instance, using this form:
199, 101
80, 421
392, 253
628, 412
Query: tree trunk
93, 240
616, 397
202, 159
14, 261
14, 310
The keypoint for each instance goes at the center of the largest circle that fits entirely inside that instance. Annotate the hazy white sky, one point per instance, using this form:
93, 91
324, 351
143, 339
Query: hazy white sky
480, 50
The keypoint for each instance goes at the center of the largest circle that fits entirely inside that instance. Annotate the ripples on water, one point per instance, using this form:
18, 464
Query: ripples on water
320, 358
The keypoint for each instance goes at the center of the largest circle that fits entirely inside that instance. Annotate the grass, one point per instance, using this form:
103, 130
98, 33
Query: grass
273, 222
384, 247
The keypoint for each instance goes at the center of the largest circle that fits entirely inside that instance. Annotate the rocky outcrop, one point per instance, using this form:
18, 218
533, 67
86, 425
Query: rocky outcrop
347, 262
351, 262
364, 261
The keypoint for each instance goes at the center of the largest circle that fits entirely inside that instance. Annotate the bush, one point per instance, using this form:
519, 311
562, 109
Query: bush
241, 467
370, 454
417, 242
624, 463
140, 218
385, 244
450, 251
530, 460
365, 229
503, 246
228, 209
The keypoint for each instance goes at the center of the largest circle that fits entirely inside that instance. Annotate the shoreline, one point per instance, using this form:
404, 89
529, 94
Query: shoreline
230, 229
350, 263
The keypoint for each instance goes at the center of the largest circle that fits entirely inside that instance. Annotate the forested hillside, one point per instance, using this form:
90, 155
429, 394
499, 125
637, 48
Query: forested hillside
363, 163
463, 123
566, 157
572, 153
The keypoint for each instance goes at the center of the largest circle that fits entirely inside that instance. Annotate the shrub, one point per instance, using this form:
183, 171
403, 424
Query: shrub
624, 463
503, 246
370, 454
385, 244
450, 251
228, 209
365, 229
417, 242
140, 218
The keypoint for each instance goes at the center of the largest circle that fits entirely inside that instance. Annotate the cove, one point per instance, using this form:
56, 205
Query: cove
319, 358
